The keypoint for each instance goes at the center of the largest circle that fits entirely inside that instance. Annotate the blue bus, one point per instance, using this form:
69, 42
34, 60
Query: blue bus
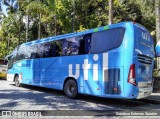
114, 61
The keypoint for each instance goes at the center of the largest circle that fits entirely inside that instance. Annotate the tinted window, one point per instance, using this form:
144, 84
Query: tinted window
33, 52
56, 48
71, 46
47, 50
87, 39
90, 43
28, 53
22, 53
82, 46
107, 40
40, 51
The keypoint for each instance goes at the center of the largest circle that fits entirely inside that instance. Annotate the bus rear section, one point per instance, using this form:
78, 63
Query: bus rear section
140, 71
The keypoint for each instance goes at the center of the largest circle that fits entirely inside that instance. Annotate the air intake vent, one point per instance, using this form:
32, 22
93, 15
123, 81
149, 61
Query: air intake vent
145, 59
112, 76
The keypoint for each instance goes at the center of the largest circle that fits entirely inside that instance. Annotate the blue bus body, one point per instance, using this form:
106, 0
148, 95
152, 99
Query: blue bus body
118, 68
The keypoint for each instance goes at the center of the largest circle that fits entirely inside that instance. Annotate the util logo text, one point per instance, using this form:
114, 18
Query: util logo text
86, 66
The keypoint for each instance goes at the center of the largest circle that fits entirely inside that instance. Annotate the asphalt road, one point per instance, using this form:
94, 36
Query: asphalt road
41, 99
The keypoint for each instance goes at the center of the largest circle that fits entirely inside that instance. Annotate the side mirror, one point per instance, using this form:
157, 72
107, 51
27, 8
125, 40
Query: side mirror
8, 57
157, 49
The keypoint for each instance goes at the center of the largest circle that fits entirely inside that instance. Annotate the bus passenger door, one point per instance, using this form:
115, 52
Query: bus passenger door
35, 61
36, 71
49, 74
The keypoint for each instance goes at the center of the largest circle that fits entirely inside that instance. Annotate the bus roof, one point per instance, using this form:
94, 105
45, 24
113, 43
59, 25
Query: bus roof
53, 38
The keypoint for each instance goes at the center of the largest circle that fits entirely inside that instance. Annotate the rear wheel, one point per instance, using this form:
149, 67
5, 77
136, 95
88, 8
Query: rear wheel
70, 89
17, 83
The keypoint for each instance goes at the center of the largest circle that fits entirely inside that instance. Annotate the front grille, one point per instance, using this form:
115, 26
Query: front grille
145, 59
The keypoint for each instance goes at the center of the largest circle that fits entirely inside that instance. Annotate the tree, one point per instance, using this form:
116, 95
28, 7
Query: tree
37, 9
73, 15
157, 10
9, 30
3, 51
43, 18
141, 11
110, 11
25, 16
11, 6
51, 19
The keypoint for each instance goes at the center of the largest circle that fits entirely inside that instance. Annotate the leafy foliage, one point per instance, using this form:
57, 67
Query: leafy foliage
43, 18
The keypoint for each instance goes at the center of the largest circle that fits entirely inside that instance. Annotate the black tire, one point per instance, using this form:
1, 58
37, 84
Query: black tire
70, 89
17, 83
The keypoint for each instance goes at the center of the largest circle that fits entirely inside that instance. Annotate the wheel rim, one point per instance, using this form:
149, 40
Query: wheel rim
71, 89
17, 82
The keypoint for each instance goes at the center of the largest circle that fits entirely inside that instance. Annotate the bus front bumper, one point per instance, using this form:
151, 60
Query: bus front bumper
10, 77
144, 92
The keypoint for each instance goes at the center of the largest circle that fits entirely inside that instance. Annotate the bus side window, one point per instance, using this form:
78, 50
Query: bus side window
28, 53
71, 46
33, 51
58, 50
54, 49
33, 55
65, 47
87, 39
81, 46
106, 40
47, 49
40, 51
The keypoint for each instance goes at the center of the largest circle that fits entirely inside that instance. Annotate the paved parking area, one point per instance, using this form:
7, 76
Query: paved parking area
36, 98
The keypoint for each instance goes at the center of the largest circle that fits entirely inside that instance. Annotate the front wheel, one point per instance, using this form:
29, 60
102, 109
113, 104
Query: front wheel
17, 83
70, 89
